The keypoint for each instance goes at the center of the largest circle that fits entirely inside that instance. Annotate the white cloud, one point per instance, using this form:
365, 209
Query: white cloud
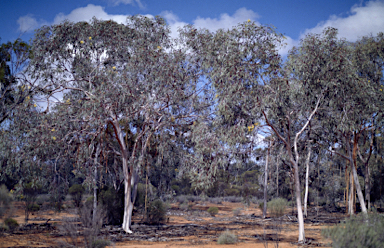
288, 44
173, 21
226, 21
363, 20
86, 14
28, 23
132, 2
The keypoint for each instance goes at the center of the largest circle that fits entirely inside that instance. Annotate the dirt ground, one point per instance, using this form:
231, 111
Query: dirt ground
185, 228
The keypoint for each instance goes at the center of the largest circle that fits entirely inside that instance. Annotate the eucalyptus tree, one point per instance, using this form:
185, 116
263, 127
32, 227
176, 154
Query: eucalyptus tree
132, 77
358, 108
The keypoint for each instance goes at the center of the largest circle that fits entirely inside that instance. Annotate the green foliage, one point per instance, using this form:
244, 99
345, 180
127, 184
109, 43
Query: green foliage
261, 206
142, 190
113, 204
11, 224
358, 232
30, 193
232, 192
213, 211
176, 188
76, 191
227, 238
277, 206
156, 212
33, 207
5, 200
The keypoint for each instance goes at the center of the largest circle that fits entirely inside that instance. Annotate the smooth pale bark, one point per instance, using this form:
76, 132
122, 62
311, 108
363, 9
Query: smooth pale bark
367, 170
306, 181
127, 172
351, 203
266, 183
352, 155
295, 162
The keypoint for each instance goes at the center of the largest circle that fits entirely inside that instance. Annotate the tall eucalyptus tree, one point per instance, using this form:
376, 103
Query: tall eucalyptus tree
132, 77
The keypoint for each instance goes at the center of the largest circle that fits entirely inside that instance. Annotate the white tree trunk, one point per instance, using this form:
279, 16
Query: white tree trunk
306, 182
300, 217
128, 206
351, 210
359, 192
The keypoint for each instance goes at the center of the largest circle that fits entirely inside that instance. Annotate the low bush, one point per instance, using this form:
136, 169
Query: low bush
157, 212
236, 212
11, 224
33, 207
5, 200
100, 243
76, 191
113, 204
213, 211
184, 206
358, 232
176, 189
276, 207
216, 200
181, 199
261, 206
227, 238
232, 198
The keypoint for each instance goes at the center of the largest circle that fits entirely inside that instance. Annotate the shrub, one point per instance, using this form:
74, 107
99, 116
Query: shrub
357, 232
227, 238
261, 206
232, 199
100, 243
113, 204
76, 191
5, 200
216, 200
277, 206
157, 211
176, 188
30, 193
11, 224
213, 210
143, 189
184, 206
33, 207
236, 212
181, 199
232, 192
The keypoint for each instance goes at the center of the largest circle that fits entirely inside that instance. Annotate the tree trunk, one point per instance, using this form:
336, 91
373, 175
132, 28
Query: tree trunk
127, 172
300, 216
128, 206
94, 214
351, 202
94, 197
367, 186
266, 184
277, 179
306, 181
358, 187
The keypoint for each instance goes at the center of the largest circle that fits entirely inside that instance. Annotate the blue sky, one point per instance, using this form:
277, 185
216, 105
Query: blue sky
293, 18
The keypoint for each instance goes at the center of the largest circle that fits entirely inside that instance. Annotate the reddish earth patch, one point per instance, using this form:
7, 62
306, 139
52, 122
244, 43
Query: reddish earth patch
191, 228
